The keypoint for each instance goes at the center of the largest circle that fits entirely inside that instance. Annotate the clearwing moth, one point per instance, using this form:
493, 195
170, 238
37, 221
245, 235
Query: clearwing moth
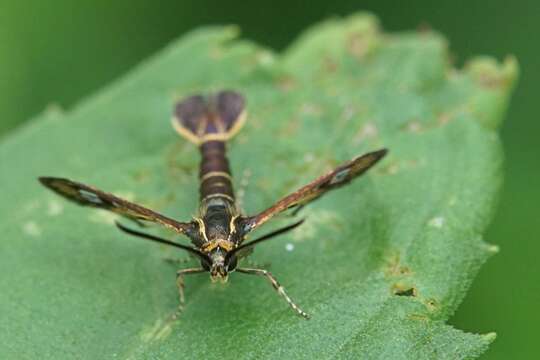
219, 230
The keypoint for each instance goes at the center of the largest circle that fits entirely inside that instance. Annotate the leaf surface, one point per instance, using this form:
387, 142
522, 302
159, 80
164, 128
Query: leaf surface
380, 264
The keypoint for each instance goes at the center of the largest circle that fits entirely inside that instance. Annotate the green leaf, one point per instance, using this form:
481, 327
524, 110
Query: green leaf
380, 264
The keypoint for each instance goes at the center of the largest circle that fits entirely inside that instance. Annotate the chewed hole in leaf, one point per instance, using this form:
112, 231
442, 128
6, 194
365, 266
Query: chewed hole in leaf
404, 290
432, 305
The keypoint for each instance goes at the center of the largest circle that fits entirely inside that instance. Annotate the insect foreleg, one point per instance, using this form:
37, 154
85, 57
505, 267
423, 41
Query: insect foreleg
180, 283
276, 286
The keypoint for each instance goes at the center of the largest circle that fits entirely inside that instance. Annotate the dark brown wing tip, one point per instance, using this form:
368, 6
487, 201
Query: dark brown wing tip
372, 157
47, 180
379, 154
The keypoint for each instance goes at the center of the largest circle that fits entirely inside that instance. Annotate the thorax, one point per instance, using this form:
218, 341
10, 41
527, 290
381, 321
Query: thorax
217, 225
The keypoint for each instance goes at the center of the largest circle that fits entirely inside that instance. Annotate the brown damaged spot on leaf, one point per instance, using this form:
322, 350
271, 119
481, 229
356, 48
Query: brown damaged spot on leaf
395, 167
419, 317
358, 45
290, 129
389, 169
400, 289
330, 65
286, 83
416, 126
142, 176
363, 37
488, 73
394, 267
432, 304
444, 118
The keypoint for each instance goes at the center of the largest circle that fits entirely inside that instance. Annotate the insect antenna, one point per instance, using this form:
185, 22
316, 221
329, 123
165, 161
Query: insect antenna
160, 240
266, 237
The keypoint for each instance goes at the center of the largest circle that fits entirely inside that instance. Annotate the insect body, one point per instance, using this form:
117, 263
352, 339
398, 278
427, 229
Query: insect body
219, 231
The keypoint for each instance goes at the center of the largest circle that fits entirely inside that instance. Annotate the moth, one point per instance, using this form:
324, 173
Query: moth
218, 233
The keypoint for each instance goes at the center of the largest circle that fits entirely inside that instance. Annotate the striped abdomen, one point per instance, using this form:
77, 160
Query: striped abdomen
215, 174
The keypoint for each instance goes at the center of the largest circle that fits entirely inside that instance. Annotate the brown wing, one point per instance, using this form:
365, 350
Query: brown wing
217, 117
340, 176
88, 196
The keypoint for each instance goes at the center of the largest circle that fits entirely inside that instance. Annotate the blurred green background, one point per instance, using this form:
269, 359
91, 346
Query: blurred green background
55, 53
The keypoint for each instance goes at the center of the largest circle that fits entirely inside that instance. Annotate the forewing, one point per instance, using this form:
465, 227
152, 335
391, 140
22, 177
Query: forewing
340, 176
88, 196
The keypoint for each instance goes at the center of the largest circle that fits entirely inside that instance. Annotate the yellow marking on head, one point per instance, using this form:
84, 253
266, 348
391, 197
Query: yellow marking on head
224, 244
209, 246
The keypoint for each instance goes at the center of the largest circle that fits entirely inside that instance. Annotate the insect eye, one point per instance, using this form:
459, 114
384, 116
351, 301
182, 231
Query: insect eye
231, 265
205, 264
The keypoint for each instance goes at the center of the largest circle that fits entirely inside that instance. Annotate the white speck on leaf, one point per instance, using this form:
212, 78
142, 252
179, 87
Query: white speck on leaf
393, 169
31, 228
367, 131
436, 222
309, 157
54, 208
266, 58
289, 247
414, 127
310, 109
348, 113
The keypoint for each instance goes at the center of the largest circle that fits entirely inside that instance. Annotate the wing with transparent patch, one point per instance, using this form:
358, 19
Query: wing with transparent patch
88, 196
340, 176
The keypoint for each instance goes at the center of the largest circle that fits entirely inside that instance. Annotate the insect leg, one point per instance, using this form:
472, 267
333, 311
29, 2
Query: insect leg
180, 282
177, 261
253, 263
276, 286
